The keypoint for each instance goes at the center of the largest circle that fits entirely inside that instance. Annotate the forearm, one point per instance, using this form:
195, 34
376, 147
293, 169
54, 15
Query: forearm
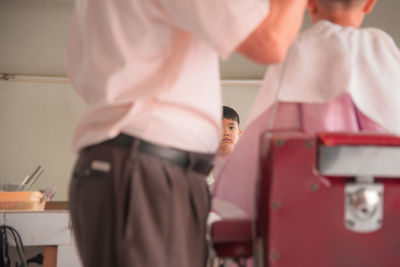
271, 40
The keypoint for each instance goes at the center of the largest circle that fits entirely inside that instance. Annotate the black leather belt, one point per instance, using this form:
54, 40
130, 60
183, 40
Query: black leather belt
173, 155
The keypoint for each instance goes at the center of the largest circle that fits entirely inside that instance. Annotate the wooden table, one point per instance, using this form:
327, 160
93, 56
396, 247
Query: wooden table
50, 229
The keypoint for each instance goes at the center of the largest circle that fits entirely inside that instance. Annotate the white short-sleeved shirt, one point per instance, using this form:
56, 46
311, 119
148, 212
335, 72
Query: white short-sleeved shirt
328, 60
149, 68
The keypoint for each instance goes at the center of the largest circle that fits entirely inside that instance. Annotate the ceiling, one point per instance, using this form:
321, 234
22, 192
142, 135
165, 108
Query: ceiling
34, 36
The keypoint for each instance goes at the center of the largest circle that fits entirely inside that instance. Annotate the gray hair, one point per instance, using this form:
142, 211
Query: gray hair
342, 3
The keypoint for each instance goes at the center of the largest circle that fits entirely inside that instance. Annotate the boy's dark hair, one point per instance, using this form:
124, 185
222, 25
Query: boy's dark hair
230, 113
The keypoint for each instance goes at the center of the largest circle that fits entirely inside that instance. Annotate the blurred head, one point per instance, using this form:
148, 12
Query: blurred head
231, 131
342, 12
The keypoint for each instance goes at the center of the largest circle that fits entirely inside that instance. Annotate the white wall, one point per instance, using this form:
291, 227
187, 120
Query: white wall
34, 33
37, 121
240, 96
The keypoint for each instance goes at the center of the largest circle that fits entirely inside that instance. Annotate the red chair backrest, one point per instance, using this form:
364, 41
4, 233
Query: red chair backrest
300, 212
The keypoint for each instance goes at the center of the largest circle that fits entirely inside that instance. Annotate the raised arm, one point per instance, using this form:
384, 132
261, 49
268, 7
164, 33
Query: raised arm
271, 40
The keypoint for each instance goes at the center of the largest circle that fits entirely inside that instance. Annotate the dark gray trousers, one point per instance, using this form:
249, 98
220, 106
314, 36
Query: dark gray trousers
133, 209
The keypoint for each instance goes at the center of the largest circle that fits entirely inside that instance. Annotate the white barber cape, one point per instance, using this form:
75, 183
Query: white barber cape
325, 62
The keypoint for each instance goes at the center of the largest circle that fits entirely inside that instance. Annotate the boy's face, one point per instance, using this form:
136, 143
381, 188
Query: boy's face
230, 136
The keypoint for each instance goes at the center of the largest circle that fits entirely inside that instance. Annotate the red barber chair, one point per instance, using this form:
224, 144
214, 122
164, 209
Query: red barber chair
232, 239
325, 201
